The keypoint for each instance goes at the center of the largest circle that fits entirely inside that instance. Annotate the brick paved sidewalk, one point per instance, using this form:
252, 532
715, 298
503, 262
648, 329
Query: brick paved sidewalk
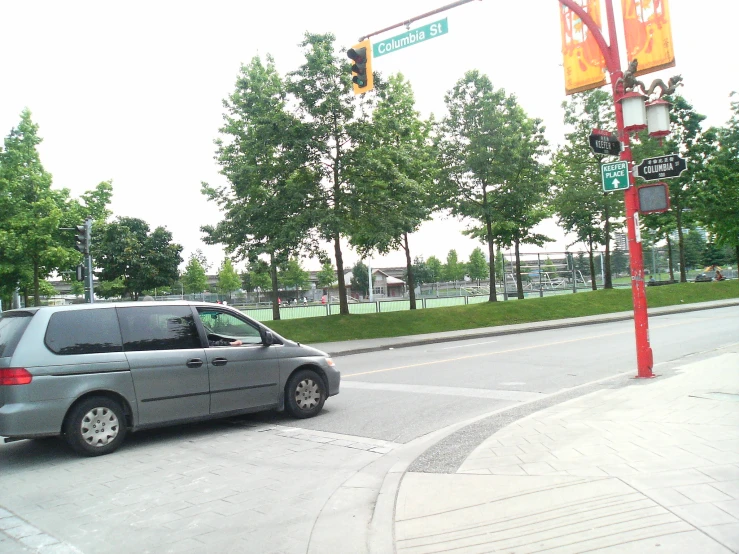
652, 467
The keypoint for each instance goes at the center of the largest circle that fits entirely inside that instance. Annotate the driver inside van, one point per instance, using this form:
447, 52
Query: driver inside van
224, 343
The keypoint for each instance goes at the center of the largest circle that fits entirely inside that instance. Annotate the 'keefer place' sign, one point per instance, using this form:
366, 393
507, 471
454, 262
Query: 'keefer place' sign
662, 167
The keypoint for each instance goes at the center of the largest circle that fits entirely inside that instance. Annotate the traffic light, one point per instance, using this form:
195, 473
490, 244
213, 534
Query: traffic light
82, 240
80, 272
361, 55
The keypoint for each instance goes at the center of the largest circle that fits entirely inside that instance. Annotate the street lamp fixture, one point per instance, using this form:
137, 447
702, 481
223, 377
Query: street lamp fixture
635, 112
658, 118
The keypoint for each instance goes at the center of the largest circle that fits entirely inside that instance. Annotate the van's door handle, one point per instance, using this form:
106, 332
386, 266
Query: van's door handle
219, 361
195, 362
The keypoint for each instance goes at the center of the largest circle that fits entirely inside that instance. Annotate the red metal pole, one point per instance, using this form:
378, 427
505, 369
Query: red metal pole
644, 357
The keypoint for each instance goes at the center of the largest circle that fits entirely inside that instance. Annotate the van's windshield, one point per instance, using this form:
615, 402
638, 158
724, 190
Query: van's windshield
12, 325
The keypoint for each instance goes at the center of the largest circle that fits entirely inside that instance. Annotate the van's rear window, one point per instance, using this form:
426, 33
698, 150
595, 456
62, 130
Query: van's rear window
12, 325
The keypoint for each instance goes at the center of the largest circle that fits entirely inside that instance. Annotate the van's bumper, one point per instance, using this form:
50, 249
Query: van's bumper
33, 419
333, 376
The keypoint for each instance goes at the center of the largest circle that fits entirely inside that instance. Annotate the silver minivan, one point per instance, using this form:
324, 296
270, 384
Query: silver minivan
93, 372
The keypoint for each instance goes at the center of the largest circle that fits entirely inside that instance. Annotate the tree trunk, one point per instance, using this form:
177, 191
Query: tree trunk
493, 297
409, 267
669, 258
593, 283
736, 252
607, 281
519, 281
36, 295
275, 286
343, 303
681, 246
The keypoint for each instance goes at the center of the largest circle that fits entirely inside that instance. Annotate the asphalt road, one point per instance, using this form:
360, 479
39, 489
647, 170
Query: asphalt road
268, 483
398, 395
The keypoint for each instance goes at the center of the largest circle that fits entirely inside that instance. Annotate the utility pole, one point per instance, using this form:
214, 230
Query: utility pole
644, 357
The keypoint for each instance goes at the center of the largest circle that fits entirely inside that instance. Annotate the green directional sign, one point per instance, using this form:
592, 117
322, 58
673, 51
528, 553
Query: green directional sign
615, 176
432, 30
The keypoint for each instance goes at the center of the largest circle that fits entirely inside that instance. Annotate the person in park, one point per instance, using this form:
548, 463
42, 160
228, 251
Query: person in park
719, 276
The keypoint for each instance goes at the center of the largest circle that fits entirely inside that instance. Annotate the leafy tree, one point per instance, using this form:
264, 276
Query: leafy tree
77, 288
393, 193
263, 155
492, 173
293, 275
326, 277
435, 269
143, 259
194, 278
360, 279
111, 289
30, 214
454, 270
581, 206
478, 266
228, 279
257, 276
421, 272
619, 261
695, 245
717, 196
332, 115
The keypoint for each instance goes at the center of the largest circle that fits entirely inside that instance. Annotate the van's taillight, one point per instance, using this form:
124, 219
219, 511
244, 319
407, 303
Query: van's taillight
14, 376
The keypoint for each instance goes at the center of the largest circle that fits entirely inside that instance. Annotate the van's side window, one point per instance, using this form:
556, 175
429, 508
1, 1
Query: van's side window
83, 332
158, 328
221, 325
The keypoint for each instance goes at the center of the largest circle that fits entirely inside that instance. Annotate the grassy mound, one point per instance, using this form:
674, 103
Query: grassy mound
490, 314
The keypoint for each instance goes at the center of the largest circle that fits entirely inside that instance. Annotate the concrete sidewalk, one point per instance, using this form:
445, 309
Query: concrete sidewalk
346, 348
649, 467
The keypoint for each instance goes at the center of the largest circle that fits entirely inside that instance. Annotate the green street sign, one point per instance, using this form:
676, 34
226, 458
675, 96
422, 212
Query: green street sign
432, 30
615, 176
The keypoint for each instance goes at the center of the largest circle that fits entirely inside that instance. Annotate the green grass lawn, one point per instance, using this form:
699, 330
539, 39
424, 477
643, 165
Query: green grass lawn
490, 314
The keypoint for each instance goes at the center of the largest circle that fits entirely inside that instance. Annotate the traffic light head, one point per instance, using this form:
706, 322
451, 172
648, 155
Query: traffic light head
361, 55
80, 272
83, 236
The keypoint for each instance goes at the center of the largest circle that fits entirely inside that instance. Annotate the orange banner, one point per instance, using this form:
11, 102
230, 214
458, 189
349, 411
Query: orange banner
583, 61
648, 34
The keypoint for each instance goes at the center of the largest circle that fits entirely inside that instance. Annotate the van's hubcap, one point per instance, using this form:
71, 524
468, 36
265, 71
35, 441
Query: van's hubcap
307, 394
99, 427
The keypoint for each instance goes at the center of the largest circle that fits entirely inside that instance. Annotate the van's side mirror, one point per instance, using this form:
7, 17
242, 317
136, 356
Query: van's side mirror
267, 338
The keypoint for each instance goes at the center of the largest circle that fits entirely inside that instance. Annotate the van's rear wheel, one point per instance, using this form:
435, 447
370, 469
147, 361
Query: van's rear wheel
95, 426
305, 394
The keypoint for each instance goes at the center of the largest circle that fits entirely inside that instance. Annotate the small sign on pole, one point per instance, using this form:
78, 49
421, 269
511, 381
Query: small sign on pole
604, 142
661, 167
615, 176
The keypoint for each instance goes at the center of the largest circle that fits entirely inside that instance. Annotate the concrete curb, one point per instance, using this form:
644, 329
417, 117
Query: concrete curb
359, 516
348, 348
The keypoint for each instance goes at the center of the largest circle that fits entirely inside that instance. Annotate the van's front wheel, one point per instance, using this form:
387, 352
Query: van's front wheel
95, 426
305, 394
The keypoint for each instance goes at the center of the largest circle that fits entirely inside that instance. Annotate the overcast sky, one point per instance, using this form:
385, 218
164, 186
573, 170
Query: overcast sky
132, 91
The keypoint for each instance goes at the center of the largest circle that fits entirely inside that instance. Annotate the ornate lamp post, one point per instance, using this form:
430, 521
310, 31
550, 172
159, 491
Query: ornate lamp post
623, 84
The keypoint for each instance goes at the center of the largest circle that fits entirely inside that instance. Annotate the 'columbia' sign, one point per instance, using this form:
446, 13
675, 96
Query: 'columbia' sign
662, 167
432, 30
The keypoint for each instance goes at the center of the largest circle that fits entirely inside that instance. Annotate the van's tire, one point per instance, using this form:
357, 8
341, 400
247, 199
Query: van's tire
305, 394
95, 426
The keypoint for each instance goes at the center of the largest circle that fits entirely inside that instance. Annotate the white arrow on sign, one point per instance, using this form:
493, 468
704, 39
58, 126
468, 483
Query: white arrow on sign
615, 183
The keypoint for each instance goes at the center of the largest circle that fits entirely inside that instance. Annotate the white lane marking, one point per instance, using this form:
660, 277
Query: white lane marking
491, 394
468, 345
512, 384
